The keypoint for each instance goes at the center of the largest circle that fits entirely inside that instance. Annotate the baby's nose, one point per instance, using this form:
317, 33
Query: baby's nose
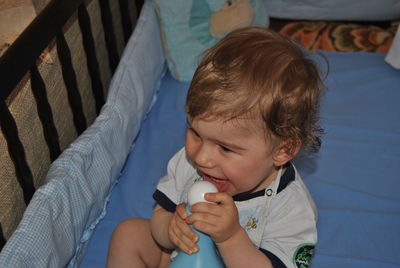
205, 157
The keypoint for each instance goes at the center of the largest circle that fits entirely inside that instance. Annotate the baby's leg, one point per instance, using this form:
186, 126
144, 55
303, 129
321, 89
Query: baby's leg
132, 245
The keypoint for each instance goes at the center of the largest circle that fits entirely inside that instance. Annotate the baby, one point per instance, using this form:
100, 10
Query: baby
251, 107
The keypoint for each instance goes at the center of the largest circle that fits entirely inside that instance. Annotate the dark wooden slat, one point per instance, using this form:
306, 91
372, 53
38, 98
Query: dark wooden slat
139, 5
17, 152
74, 97
91, 58
45, 113
30, 44
109, 35
2, 238
125, 19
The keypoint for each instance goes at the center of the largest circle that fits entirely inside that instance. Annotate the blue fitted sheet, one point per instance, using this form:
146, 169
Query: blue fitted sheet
354, 179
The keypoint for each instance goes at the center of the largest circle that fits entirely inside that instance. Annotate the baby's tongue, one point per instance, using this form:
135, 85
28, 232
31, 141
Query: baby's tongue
222, 185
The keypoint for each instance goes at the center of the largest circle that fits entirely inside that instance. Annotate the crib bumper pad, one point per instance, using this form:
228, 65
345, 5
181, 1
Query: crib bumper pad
64, 212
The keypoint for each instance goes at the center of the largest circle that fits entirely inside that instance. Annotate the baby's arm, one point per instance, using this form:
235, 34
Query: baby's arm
159, 226
220, 220
170, 229
239, 251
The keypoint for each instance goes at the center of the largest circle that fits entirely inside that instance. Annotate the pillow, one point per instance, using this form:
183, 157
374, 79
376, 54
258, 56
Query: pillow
342, 37
189, 27
393, 56
337, 10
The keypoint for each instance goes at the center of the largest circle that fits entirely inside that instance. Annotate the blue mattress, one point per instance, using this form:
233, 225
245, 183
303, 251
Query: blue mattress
354, 179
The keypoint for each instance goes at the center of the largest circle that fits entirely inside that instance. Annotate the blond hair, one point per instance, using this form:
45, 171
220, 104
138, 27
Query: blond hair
255, 70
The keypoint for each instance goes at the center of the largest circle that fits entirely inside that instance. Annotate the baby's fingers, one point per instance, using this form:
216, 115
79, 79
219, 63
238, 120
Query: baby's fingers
181, 210
184, 243
183, 236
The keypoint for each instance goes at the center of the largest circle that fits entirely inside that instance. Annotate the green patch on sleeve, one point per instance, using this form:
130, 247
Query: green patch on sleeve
303, 255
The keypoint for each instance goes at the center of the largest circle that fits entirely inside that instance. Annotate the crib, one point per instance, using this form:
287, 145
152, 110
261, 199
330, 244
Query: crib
88, 132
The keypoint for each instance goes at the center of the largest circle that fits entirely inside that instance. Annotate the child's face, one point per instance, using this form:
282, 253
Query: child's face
234, 155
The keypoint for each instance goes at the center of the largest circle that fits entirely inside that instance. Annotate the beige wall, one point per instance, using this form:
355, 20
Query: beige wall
15, 15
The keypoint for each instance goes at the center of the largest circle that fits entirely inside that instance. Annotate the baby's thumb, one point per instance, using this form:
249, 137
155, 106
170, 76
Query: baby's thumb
181, 210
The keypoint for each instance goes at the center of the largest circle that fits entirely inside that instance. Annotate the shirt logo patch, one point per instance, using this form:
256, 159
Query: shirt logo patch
251, 224
303, 255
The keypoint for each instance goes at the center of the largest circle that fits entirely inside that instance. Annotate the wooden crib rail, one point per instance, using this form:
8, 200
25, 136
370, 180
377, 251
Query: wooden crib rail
21, 61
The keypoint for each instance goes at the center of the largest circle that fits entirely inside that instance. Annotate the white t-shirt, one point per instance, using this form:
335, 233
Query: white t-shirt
280, 220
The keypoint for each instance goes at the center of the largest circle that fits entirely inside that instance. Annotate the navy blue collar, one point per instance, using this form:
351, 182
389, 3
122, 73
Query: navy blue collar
286, 178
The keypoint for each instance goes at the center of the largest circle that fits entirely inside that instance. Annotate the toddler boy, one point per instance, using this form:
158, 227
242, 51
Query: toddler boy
251, 107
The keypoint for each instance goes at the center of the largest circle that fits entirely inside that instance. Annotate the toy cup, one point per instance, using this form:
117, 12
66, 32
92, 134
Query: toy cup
208, 255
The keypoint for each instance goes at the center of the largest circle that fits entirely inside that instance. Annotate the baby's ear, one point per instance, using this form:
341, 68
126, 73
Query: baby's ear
286, 151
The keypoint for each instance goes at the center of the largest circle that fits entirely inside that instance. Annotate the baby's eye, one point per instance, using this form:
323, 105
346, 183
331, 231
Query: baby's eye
225, 149
194, 132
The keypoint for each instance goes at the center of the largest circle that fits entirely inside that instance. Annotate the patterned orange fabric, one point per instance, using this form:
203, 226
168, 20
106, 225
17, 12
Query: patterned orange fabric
345, 37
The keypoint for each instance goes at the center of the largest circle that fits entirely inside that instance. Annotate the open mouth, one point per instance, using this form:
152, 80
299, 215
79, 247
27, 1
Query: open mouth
221, 184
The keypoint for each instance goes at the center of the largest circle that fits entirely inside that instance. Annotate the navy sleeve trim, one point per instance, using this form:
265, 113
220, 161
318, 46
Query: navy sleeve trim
276, 262
164, 201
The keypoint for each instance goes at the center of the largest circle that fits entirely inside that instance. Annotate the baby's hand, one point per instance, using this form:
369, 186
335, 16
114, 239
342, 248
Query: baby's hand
218, 219
180, 233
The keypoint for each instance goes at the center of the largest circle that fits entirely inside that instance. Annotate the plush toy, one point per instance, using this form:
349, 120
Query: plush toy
230, 15
189, 27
